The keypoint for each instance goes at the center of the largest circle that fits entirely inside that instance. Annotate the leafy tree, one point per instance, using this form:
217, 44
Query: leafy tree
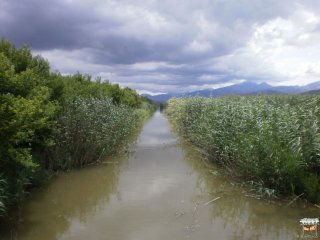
34, 106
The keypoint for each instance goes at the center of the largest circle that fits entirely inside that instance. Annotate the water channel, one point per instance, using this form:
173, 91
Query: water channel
161, 190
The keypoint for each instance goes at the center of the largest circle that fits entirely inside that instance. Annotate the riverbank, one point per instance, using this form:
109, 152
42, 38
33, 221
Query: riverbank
160, 189
51, 122
271, 141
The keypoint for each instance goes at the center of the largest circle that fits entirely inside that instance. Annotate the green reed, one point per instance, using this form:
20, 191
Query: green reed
91, 129
271, 140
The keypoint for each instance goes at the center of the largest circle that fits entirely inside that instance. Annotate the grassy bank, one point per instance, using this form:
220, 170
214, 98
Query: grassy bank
90, 130
50, 122
273, 141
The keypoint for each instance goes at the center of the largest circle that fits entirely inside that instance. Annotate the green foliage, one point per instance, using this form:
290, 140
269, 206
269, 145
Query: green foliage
43, 113
27, 116
91, 129
272, 140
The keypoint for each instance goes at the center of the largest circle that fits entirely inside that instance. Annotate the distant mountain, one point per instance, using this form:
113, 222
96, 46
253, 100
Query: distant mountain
312, 86
237, 89
245, 88
312, 92
159, 98
264, 92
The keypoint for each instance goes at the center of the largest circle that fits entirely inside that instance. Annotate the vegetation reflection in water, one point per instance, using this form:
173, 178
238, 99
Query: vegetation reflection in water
158, 192
272, 141
235, 212
72, 196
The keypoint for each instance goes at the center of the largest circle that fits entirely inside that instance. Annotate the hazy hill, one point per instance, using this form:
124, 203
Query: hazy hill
245, 88
313, 92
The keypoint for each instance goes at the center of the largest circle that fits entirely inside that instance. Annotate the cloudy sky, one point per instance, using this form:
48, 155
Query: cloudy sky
172, 45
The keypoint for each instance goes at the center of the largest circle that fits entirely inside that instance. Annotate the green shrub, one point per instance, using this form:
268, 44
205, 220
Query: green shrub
49, 121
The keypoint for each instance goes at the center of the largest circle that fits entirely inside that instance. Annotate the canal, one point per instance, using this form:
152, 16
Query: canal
162, 189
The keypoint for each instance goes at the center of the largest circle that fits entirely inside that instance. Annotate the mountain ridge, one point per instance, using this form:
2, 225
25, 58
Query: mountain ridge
245, 88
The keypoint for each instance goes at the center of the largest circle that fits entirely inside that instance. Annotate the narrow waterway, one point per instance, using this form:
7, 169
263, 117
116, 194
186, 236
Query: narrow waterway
161, 190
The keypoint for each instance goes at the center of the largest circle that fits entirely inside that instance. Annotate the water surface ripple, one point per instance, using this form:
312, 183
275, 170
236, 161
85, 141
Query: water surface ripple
159, 191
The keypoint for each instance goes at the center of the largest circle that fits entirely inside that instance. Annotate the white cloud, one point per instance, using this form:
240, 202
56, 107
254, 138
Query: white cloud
67, 61
281, 51
197, 46
152, 46
152, 93
210, 77
149, 66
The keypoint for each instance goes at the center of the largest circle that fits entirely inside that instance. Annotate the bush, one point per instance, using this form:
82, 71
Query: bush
49, 121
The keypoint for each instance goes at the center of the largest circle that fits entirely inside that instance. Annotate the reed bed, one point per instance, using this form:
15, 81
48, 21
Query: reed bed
91, 129
272, 141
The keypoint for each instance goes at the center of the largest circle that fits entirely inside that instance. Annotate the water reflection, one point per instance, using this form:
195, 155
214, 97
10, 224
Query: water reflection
156, 133
158, 192
239, 216
73, 196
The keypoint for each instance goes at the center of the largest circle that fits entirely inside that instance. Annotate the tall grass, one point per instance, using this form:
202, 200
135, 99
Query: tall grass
88, 130
271, 140
91, 129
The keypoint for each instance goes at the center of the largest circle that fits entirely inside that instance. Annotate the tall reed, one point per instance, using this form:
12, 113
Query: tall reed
271, 140
91, 129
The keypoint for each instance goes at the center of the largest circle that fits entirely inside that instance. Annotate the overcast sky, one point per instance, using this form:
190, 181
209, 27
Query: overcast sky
172, 45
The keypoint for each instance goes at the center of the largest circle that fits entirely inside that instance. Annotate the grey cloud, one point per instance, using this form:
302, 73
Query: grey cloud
46, 24
190, 35
55, 24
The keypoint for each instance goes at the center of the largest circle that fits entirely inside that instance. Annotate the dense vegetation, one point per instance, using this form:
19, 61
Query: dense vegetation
273, 141
49, 121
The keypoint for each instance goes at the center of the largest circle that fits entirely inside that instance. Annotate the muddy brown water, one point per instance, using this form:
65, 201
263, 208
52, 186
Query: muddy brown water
161, 191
